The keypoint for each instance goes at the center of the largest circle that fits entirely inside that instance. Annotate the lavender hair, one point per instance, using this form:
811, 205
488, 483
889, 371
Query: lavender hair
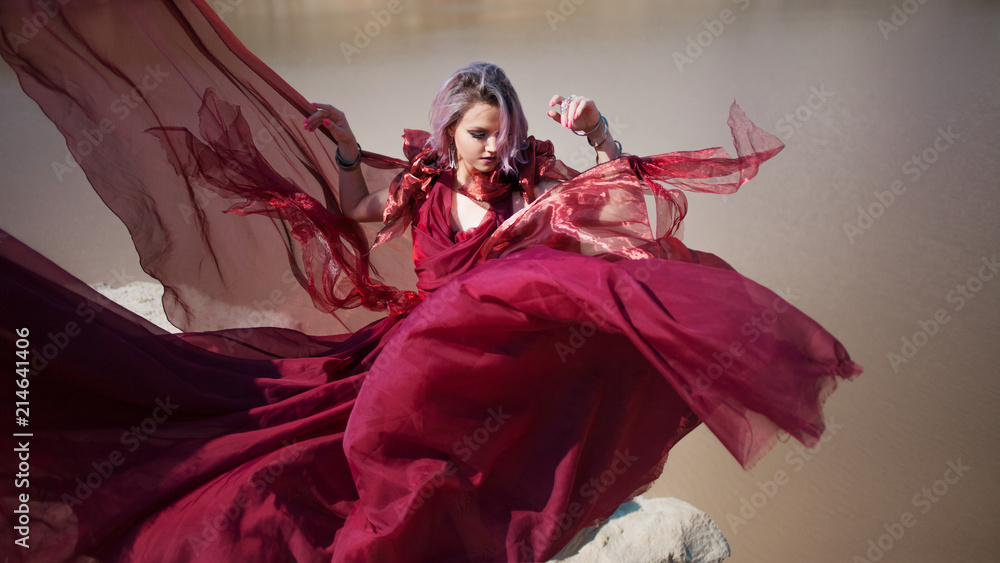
486, 83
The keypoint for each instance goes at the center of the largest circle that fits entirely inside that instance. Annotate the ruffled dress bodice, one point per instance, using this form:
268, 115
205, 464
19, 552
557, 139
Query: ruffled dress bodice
441, 253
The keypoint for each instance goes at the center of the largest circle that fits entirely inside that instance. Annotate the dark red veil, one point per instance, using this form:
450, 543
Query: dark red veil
154, 85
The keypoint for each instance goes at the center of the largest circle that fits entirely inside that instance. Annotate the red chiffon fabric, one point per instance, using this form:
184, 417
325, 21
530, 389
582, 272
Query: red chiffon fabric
110, 73
552, 360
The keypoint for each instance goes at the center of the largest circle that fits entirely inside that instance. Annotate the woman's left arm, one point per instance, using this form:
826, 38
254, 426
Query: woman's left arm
580, 114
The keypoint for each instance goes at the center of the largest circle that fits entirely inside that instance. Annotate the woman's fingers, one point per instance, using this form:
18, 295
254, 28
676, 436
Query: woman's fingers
325, 115
575, 107
578, 113
566, 107
586, 116
334, 120
559, 111
554, 112
313, 121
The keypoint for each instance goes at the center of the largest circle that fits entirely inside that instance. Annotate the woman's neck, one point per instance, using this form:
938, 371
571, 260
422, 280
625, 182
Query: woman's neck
460, 176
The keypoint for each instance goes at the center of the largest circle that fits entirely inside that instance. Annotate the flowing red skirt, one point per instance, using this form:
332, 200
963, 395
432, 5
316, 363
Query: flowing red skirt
517, 405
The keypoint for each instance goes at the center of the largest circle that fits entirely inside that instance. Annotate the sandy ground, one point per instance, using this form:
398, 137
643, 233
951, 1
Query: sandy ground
142, 298
870, 99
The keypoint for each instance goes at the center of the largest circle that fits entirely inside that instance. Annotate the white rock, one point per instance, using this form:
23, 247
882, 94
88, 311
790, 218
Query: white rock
658, 530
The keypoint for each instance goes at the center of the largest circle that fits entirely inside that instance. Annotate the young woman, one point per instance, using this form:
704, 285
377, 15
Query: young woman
479, 127
559, 344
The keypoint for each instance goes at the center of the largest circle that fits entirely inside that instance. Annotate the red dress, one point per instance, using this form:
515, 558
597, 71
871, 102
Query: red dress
548, 365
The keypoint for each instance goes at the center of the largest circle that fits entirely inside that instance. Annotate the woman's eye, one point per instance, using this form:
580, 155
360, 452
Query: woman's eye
478, 135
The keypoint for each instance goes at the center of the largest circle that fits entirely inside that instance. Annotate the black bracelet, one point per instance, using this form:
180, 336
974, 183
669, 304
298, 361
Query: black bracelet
347, 166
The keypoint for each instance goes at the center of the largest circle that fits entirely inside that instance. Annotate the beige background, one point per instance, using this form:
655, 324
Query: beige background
889, 92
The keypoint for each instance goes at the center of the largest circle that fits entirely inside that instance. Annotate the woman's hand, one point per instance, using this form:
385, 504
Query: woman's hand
574, 112
580, 114
336, 122
355, 201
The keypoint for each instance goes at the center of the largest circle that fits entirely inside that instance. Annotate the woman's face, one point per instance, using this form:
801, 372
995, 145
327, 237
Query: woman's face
476, 139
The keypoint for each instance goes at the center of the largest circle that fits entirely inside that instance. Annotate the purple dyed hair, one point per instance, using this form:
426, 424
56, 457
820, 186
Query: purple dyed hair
487, 83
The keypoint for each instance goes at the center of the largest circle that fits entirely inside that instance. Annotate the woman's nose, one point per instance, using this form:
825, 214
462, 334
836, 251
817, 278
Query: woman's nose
491, 143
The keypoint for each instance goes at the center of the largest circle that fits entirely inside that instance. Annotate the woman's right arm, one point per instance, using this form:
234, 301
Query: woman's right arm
355, 201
